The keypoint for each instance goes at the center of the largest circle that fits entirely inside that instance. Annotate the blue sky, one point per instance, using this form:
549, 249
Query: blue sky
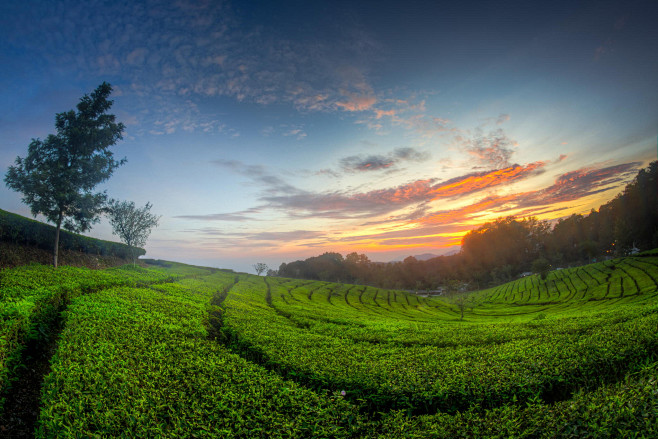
273, 131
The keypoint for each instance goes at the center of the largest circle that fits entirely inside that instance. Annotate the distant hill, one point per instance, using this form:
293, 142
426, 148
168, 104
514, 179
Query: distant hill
24, 241
427, 256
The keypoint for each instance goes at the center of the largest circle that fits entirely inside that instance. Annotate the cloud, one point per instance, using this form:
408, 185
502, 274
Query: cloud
356, 102
412, 154
369, 163
294, 235
329, 172
296, 131
235, 216
502, 119
477, 181
412, 219
580, 183
211, 237
341, 205
415, 196
381, 113
425, 126
409, 114
493, 150
136, 57
198, 49
568, 187
361, 163
469, 212
258, 173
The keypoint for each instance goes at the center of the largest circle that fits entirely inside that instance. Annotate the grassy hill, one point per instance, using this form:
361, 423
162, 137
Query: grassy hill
180, 351
24, 241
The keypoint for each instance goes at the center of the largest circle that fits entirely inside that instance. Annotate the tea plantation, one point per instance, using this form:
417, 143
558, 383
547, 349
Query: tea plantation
180, 351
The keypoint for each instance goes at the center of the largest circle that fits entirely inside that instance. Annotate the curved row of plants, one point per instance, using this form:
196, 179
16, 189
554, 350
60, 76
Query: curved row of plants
31, 298
143, 361
136, 362
448, 367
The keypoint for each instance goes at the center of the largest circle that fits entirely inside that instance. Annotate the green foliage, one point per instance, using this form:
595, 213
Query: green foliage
132, 224
20, 230
32, 297
541, 266
212, 353
389, 349
59, 174
260, 268
137, 363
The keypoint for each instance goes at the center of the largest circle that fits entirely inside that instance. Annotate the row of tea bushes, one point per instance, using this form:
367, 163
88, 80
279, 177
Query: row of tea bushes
31, 298
20, 230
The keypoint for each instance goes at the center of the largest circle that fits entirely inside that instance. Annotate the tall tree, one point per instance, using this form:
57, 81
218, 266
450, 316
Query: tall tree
58, 176
132, 224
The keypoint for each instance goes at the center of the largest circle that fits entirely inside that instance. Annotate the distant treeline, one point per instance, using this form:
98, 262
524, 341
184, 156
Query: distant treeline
498, 251
20, 230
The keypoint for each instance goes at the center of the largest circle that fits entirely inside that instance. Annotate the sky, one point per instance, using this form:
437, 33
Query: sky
269, 131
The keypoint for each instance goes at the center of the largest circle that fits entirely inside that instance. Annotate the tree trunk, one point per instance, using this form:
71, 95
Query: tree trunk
56, 249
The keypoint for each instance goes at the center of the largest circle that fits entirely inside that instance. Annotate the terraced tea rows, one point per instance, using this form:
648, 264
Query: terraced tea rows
393, 350
220, 354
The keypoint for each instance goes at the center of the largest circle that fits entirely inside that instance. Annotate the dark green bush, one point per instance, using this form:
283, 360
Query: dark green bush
20, 230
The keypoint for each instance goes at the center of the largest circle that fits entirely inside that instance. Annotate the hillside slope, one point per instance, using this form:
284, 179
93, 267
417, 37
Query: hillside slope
182, 351
25, 241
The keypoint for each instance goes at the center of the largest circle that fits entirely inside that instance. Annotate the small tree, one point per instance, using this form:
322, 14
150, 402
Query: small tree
541, 266
462, 302
58, 175
260, 268
460, 298
132, 224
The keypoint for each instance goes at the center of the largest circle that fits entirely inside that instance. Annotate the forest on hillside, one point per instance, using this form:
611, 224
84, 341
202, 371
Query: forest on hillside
499, 251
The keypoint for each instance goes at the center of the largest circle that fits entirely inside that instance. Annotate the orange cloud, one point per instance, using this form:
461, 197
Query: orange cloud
381, 113
570, 186
466, 213
483, 180
357, 102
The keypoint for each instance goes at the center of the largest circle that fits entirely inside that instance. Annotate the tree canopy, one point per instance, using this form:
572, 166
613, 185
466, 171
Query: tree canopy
58, 176
260, 268
132, 224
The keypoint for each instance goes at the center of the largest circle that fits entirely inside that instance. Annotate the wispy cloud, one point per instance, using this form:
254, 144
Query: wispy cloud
292, 235
361, 163
305, 204
245, 215
493, 150
580, 183
286, 130
259, 174
406, 216
478, 181
567, 187
357, 102
195, 50
296, 131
